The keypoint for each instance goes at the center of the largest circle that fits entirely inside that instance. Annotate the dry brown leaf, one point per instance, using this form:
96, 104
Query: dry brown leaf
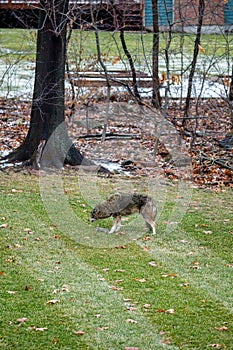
170, 275
200, 49
78, 332
147, 238
102, 328
27, 288
55, 341
160, 310
115, 288
228, 265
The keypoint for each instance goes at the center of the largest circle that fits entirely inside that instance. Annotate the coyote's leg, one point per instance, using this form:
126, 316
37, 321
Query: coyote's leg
116, 224
148, 212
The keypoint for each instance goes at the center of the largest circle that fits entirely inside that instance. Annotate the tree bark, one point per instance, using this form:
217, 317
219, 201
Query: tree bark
156, 99
231, 98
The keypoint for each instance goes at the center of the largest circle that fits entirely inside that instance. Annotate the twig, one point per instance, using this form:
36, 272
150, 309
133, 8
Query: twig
109, 135
217, 161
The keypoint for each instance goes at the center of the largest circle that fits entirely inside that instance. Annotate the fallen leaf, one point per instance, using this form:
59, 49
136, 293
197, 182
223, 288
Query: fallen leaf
146, 306
186, 285
55, 341
152, 263
79, 332
164, 341
27, 288
147, 238
207, 232
22, 320
200, 49
129, 320
142, 280
160, 310
55, 291
65, 288
221, 329
170, 311
171, 275
40, 329
28, 230
228, 265
2, 273
217, 346
162, 333
102, 328
53, 301
4, 226
115, 288
195, 267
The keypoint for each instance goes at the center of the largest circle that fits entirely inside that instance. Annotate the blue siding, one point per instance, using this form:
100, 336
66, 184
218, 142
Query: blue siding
228, 12
165, 12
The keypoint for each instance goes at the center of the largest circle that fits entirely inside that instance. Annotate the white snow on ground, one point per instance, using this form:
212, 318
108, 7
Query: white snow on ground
17, 80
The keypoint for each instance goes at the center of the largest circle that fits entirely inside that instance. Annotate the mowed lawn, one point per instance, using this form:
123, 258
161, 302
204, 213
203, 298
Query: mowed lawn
169, 291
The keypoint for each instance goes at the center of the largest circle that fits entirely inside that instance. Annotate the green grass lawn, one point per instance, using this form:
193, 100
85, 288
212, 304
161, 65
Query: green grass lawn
172, 291
22, 43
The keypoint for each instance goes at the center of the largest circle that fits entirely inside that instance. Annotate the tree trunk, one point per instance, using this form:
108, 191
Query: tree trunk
201, 8
231, 98
48, 112
156, 99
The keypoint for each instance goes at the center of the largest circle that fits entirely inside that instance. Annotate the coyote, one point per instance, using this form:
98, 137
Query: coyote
124, 204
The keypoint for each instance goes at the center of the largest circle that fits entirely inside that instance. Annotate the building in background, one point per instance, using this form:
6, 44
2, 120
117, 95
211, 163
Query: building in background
182, 15
135, 15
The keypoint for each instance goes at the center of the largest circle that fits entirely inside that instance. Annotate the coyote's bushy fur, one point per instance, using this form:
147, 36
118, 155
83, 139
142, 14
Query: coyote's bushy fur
124, 204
